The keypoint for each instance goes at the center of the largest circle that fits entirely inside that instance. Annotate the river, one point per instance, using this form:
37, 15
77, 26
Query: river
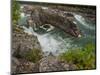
57, 41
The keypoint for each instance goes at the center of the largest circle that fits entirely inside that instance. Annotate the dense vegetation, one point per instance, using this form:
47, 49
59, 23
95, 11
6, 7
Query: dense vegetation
15, 11
83, 58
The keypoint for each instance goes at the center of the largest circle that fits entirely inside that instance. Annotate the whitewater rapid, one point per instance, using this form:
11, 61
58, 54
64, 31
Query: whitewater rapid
48, 42
83, 22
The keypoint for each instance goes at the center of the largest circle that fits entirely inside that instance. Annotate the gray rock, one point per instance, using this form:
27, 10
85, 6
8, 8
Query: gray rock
23, 43
23, 66
14, 64
24, 48
51, 63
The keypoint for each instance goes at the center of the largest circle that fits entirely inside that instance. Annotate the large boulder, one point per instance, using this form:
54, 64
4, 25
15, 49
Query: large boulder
59, 19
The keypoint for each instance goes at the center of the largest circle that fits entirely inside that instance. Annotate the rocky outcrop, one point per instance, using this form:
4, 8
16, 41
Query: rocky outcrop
22, 42
46, 64
23, 66
26, 51
55, 17
52, 64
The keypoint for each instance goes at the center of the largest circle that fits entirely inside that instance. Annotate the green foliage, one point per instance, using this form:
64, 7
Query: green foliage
15, 11
34, 55
83, 58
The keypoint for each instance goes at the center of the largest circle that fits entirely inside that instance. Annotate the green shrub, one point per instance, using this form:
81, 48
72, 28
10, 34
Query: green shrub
15, 11
83, 58
33, 55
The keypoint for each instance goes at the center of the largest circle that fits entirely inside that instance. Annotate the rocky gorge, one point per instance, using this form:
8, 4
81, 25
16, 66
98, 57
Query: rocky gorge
44, 35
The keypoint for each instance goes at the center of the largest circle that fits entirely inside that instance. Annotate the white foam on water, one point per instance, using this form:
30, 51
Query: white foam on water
47, 29
51, 44
48, 42
74, 22
22, 15
21, 7
81, 19
28, 30
51, 28
44, 7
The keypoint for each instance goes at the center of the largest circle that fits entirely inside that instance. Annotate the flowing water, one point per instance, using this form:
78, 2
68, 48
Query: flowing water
57, 41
